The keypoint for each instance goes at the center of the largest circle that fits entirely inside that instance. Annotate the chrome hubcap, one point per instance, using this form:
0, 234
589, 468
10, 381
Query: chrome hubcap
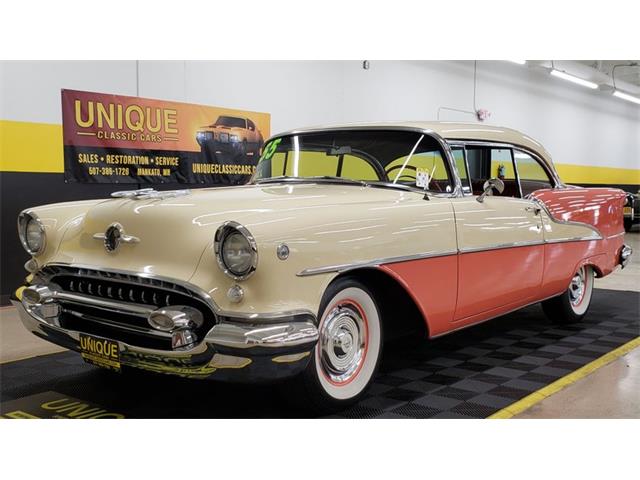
342, 343
576, 289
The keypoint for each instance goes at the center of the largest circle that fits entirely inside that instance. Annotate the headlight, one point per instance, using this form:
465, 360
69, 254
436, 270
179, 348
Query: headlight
233, 138
236, 250
31, 233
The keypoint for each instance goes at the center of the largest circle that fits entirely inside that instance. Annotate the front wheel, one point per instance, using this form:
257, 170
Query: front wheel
573, 304
348, 351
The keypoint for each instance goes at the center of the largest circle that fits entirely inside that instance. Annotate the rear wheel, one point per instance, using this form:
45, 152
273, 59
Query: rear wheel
348, 351
573, 304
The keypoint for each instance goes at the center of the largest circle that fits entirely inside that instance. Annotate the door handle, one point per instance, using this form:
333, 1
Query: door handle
535, 209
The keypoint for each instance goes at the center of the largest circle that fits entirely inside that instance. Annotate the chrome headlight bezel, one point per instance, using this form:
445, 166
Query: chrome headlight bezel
24, 219
223, 232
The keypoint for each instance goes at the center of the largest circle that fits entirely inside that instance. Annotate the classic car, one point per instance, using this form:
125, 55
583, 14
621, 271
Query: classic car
632, 211
346, 236
234, 134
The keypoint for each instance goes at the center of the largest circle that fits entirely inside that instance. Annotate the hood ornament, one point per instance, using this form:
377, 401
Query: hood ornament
150, 193
114, 236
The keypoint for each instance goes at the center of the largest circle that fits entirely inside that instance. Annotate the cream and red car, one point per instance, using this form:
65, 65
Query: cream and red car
346, 236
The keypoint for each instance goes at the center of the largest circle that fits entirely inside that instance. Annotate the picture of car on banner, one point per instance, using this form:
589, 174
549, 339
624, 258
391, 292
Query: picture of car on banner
231, 140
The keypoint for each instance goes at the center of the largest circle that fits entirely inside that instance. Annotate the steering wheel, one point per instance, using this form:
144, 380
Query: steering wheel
396, 167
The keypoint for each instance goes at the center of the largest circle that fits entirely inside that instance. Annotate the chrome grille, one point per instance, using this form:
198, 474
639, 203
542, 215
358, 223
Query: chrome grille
126, 289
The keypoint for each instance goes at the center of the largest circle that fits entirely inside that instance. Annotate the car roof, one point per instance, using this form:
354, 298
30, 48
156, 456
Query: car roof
450, 131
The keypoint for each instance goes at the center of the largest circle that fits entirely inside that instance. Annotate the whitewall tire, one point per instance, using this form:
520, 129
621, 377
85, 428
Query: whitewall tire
574, 303
349, 348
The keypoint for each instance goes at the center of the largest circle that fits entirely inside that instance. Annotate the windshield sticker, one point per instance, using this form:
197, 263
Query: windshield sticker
422, 178
271, 149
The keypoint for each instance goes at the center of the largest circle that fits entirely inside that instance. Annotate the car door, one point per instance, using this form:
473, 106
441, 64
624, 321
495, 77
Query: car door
500, 239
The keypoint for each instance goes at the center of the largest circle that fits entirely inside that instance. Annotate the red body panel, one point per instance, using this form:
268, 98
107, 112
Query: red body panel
460, 290
433, 285
600, 207
490, 279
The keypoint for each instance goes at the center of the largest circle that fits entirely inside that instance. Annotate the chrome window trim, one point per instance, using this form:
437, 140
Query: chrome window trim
340, 268
549, 168
455, 178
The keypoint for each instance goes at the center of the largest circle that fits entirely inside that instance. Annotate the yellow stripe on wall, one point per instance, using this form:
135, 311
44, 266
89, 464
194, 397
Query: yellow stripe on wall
37, 147
31, 147
604, 175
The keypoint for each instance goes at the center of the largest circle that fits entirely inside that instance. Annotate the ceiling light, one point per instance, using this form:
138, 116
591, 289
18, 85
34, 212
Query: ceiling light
626, 96
574, 79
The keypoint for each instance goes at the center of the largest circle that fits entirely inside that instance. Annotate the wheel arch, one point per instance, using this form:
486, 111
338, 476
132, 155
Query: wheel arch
401, 315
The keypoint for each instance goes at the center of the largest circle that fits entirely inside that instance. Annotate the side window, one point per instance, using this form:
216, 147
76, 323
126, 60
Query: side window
251, 125
502, 167
461, 166
532, 174
490, 162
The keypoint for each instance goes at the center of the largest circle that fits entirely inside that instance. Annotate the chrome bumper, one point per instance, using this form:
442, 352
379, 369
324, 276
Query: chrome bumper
625, 255
233, 350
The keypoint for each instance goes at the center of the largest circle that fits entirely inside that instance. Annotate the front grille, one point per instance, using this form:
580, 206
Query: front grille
127, 289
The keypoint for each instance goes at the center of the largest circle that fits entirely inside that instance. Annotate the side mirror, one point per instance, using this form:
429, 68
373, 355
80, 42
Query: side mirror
489, 186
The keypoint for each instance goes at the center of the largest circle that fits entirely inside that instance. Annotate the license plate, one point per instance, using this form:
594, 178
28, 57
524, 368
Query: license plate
627, 210
100, 352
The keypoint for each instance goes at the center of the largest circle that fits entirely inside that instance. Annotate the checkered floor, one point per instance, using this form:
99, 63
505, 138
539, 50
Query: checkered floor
469, 374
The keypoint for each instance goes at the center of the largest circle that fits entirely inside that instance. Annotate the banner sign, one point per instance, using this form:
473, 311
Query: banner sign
121, 139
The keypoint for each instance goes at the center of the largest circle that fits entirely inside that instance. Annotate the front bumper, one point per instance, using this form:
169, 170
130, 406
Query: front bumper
235, 350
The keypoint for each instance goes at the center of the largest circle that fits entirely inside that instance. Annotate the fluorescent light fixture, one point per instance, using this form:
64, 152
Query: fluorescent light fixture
574, 79
626, 96
519, 62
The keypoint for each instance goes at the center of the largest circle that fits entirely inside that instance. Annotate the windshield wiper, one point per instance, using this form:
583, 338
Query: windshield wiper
279, 178
312, 179
349, 181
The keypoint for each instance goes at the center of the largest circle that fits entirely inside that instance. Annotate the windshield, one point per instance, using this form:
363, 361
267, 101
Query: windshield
391, 157
230, 122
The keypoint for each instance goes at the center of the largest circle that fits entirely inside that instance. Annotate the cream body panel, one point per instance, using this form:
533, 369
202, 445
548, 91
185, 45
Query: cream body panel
322, 224
496, 222
56, 219
563, 232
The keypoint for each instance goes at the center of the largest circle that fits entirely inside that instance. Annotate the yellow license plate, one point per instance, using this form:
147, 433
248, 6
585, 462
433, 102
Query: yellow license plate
627, 210
100, 352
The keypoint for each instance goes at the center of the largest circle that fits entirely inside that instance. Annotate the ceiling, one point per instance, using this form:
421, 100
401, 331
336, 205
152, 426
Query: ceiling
624, 71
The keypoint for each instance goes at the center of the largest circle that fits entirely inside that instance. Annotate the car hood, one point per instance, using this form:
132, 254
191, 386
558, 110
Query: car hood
174, 233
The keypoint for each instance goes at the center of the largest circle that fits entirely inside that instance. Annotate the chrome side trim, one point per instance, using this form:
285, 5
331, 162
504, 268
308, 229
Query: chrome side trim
341, 268
372, 263
500, 246
572, 239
